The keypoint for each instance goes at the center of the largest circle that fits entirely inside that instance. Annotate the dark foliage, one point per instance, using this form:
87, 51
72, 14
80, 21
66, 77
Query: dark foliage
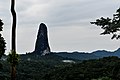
51, 67
2, 41
1, 24
88, 70
110, 26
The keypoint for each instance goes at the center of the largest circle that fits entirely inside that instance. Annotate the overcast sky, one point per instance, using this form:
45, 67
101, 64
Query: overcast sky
68, 23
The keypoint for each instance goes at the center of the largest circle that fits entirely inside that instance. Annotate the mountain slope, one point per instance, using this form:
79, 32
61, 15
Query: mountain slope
87, 56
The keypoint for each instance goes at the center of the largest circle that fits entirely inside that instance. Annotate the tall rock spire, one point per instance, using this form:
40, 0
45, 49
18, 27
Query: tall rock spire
42, 45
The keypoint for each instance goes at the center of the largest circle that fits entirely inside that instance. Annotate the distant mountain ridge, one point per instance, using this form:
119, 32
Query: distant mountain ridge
42, 48
86, 56
72, 55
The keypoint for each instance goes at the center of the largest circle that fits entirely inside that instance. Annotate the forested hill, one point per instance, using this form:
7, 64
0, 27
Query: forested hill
51, 68
86, 56
71, 55
65, 66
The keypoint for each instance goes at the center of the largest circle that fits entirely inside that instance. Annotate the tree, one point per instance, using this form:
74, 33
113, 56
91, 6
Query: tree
110, 26
2, 41
13, 25
13, 57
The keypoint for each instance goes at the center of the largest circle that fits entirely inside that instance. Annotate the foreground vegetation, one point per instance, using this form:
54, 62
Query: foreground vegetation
51, 67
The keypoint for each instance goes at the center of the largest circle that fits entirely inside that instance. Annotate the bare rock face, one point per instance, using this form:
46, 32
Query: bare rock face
42, 45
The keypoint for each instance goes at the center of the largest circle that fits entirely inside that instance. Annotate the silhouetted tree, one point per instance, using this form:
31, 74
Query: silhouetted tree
110, 26
13, 57
2, 41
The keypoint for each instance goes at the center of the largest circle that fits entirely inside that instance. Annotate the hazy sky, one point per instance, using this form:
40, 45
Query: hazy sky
68, 23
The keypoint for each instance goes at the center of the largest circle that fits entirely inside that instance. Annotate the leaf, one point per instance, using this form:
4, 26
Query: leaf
114, 36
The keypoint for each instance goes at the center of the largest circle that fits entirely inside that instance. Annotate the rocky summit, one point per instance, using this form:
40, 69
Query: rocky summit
42, 45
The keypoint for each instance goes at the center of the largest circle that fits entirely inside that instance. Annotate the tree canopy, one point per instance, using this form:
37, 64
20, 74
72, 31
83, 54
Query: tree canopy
2, 41
110, 26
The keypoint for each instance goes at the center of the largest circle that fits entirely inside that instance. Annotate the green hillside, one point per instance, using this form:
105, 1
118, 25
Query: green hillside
51, 67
